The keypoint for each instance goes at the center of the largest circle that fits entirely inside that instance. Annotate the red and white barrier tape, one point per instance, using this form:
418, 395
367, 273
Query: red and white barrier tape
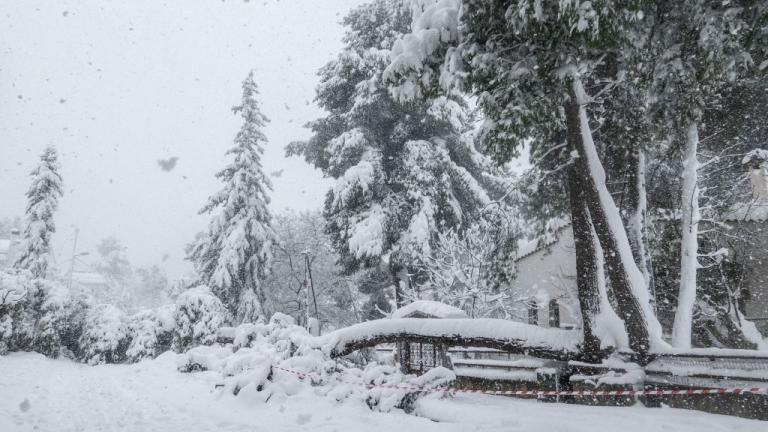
540, 393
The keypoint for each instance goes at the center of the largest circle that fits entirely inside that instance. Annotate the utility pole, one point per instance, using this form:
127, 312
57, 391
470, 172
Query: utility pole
72, 263
311, 288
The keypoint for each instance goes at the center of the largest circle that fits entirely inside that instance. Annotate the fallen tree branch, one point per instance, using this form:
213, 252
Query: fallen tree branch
509, 336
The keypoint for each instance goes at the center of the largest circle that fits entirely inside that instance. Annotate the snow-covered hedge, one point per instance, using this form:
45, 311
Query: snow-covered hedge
105, 336
197, 317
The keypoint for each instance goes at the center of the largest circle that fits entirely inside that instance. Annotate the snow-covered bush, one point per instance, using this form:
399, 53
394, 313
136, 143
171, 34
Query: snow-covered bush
14, 286
198, 315
6, 331
268, 362
105, 337
402, 391
61, 321
39, 315
150, 332
204, 358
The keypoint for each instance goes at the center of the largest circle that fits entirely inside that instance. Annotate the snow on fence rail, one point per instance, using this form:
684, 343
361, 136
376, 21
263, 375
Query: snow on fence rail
549, 343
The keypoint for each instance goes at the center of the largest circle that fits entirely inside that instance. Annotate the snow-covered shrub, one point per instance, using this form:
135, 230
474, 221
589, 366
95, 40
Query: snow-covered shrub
6, 331
204, 358
14, 286
61, 321
105, 337
386, 388
198, 315
270, 362
150, 332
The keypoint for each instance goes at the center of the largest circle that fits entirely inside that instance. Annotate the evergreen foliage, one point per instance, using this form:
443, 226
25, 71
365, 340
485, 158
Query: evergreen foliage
43, 201
233, 256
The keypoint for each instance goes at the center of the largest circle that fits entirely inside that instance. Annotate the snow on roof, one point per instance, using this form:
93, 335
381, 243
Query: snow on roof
5, 245
428, 307
526, 248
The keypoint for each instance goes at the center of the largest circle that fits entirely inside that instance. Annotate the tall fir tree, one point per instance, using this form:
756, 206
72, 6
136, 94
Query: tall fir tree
43, 201
233, 257
404, 171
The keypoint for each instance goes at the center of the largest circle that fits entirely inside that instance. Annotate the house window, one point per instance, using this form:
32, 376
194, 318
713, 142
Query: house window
554, 313
533, 313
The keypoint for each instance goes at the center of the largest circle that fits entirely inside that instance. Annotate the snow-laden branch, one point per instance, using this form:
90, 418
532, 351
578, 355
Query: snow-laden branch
500, 334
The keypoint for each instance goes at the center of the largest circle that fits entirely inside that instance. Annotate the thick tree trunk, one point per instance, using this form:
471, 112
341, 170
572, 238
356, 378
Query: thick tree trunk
681, 331
626, 280
586, 262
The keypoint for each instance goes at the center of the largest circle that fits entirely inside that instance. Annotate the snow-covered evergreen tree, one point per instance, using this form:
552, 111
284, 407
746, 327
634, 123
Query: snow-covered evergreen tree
43, 201
404, 171
528, 64
233, 257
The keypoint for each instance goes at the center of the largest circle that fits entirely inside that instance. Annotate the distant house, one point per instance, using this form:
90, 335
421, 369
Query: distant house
545, 284
9, 247
749, 220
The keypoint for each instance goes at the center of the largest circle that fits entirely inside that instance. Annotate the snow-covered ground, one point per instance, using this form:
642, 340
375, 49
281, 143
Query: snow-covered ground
57, 395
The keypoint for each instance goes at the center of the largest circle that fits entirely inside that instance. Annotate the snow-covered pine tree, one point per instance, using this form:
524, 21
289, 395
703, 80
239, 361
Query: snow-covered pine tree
404, 170
43, 201
697, 47
233, 257
528, 65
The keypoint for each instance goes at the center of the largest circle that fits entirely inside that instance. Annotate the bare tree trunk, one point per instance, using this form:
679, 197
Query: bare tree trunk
625, 278
586, 263
681, 331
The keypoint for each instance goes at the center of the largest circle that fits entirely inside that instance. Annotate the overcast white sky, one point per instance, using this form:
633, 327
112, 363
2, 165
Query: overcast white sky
117, 85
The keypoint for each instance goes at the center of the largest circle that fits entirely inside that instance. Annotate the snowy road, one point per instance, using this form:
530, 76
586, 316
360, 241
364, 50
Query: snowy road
54, 395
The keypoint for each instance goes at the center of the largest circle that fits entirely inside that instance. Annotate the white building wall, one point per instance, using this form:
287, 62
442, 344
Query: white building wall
546, 274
